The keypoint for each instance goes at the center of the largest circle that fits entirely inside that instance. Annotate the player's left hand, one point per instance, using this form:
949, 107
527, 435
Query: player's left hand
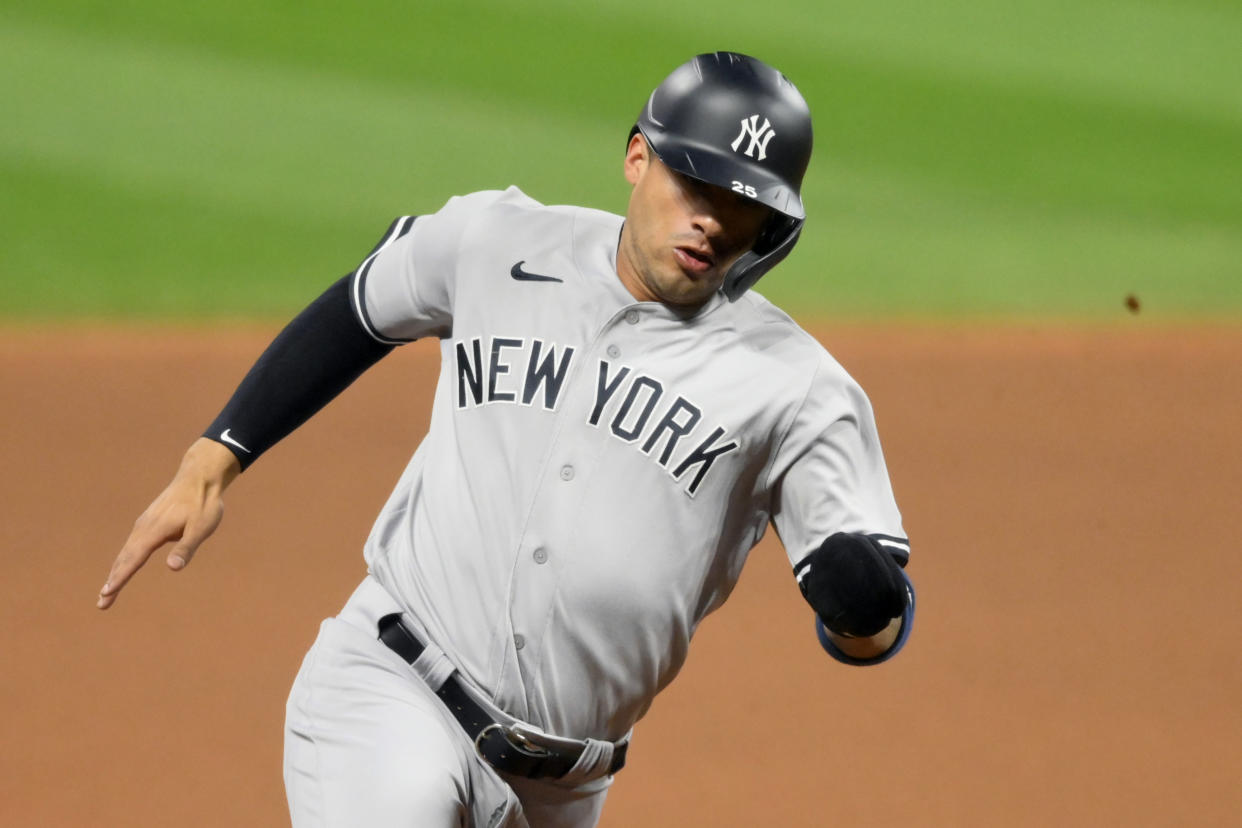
854, 585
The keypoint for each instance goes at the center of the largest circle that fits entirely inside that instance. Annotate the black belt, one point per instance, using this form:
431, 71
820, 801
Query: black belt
494, 741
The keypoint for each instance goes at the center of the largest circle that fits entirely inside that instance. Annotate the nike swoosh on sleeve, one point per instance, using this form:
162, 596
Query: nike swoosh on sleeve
225, 438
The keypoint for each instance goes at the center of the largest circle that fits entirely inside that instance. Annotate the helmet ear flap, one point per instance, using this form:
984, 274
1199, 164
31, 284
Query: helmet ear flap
775, 230
773, 245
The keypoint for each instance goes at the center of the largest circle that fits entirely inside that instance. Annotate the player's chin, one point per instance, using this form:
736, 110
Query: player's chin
690, 285
685, 290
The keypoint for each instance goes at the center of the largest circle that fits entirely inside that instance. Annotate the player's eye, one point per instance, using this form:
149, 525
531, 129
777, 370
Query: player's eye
704, 191
694, 185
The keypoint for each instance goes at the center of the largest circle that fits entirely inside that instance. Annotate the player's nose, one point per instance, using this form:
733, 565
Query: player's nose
725, 228
708, 224
714, 218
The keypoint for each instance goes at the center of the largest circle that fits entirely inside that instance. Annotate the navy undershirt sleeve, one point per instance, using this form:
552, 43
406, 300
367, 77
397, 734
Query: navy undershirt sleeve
313, 359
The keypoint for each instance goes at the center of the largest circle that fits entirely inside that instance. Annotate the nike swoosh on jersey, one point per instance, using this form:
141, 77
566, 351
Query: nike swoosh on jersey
526, 276
225, 438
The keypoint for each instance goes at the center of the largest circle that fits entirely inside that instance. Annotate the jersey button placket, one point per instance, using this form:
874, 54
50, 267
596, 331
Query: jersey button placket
567, 472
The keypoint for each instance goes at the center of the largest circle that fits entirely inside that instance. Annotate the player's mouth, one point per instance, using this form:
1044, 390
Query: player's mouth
694, 260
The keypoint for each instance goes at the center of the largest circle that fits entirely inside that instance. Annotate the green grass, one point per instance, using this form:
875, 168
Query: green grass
973, 159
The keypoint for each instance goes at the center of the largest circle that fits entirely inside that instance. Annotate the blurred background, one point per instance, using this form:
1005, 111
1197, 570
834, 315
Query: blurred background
1024, 158
1024, 239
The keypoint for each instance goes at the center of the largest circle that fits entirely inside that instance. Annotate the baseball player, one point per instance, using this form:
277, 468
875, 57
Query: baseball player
617, 419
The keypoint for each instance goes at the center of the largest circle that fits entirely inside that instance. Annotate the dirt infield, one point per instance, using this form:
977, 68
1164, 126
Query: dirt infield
1074, 662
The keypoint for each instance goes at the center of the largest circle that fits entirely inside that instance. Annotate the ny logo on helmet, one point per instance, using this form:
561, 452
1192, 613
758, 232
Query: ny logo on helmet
759, 136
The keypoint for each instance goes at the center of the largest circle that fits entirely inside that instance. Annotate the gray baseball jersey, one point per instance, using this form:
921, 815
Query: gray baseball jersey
597, 468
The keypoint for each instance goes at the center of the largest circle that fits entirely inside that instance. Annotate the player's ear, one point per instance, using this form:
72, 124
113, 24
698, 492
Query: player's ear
637, 155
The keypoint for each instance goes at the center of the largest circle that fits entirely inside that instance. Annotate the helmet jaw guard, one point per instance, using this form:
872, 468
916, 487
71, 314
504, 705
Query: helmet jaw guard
735, 122
782, 234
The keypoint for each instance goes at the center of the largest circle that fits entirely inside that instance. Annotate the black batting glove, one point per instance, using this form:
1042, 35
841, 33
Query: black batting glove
853, 584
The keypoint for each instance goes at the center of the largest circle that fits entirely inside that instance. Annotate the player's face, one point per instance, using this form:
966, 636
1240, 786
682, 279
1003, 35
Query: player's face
681, 235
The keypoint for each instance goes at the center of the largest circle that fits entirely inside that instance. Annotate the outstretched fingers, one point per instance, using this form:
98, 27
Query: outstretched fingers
148, 535
154, 529
184, 514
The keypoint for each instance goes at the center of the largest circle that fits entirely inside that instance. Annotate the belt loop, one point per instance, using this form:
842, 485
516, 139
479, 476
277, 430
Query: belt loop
433, 666
594, 762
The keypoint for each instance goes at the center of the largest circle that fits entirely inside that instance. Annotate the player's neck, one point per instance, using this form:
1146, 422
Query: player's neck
627, 271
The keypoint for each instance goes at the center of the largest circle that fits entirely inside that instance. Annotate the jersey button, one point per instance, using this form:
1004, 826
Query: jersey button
631, 316
614, 351
567, 472
519, 641
541, 556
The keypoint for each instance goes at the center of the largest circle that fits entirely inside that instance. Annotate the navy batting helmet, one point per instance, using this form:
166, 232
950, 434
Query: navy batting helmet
735, 122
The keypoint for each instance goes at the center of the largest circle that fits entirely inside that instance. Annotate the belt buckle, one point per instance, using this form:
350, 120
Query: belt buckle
514, 735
